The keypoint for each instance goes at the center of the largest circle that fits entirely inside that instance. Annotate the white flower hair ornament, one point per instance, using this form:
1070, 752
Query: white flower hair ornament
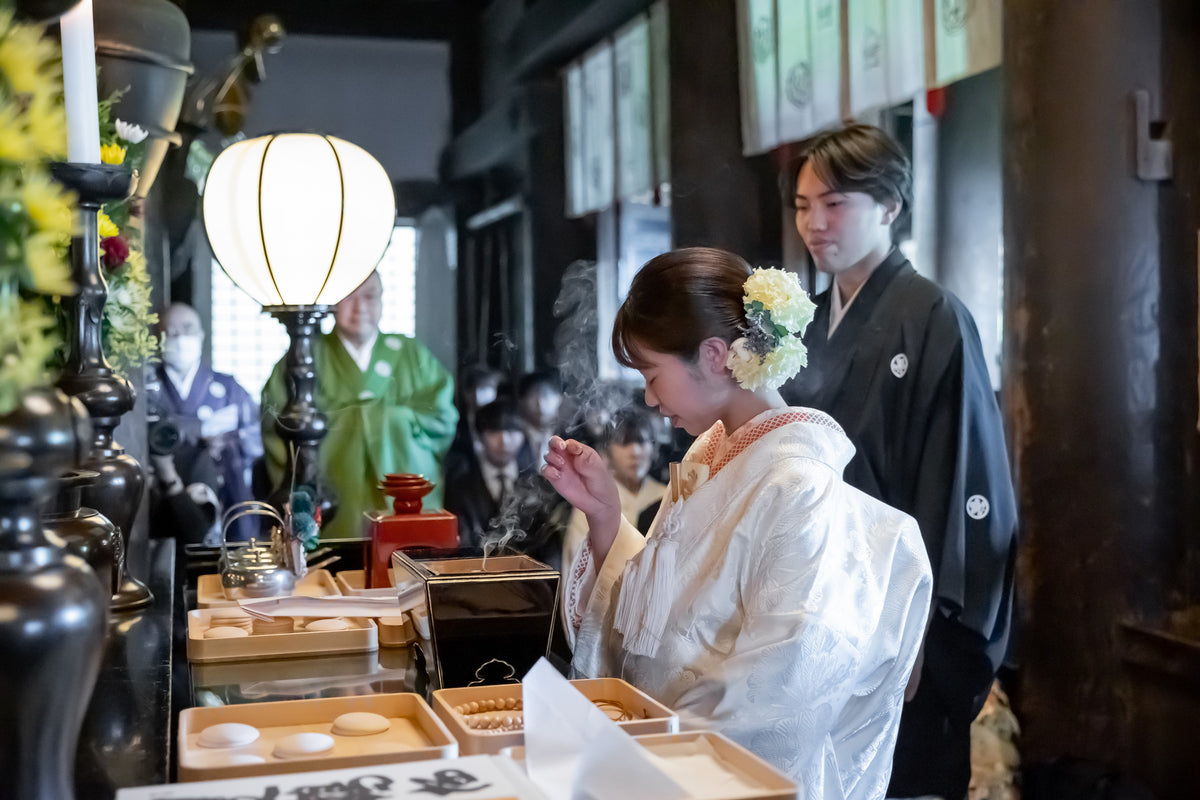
770, 350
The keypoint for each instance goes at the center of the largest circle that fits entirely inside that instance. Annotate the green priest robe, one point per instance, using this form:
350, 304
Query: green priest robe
397, 416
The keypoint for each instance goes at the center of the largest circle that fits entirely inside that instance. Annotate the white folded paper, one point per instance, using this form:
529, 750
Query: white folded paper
573, 751
407, 596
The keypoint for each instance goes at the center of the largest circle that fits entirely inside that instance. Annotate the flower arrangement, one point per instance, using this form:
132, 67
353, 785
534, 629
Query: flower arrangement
36, 214
128, 320
770, 350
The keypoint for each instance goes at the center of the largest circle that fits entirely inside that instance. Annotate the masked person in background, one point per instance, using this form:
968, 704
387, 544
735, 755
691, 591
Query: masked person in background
389, 406
215, 416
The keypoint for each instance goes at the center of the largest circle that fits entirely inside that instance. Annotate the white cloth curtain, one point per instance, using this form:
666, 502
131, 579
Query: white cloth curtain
573, 100
599, 146
966, 37
758, 73
634, 130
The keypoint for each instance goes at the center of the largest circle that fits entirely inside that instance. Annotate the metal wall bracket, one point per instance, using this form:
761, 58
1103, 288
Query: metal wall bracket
1153, 151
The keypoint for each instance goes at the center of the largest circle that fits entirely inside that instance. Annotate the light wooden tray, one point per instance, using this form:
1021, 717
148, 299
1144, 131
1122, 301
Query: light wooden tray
242, 673
361, 636
650, 715
749, 777
315, 583
416, 734
354, 582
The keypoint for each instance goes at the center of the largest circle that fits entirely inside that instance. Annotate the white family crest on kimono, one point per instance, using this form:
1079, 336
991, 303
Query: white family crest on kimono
776, 604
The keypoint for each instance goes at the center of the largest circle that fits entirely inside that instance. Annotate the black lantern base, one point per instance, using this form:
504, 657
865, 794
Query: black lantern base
300, 424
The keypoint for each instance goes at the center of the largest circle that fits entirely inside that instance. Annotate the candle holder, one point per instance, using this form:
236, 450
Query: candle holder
300, 423
89, 377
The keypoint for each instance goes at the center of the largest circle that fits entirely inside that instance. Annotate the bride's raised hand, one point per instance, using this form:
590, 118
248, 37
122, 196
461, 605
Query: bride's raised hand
581, 475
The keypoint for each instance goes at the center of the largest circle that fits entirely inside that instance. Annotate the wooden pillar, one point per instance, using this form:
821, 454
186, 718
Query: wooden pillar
719, 198
1100, 411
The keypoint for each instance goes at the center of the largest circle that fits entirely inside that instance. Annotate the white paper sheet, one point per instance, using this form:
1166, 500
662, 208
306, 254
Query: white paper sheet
477, 777
573, 751
298, 606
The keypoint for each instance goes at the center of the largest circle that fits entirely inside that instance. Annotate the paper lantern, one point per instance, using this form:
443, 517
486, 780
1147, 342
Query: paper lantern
298, 219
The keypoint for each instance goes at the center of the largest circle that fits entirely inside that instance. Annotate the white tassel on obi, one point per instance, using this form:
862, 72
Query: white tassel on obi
646, 589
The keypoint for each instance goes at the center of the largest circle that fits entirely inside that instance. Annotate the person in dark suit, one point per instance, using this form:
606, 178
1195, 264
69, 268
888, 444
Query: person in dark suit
476, 486
539, 401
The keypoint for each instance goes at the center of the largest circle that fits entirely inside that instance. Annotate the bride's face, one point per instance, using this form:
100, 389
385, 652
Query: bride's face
681, 391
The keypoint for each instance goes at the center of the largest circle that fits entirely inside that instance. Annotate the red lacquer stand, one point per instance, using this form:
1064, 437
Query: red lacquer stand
407, 527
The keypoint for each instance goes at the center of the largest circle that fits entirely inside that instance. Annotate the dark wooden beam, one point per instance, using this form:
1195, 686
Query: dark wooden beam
553, 31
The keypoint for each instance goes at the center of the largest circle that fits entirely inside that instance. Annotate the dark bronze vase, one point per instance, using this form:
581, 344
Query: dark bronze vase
86, 532
88, 376
53, 610
144, 48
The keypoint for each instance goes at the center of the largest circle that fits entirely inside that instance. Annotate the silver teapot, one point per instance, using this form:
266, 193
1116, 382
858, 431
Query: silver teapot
254, 570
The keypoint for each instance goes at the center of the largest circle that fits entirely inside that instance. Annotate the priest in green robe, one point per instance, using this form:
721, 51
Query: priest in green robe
389, 404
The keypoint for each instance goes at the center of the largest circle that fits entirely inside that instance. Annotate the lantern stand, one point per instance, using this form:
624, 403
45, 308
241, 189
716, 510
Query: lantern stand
300, 424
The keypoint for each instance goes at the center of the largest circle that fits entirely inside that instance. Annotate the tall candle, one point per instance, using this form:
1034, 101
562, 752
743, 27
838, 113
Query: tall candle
79, 84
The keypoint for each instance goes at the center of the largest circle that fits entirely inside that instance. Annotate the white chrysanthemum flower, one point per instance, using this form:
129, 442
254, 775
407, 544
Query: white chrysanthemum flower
780, 293
120, 296
134, 134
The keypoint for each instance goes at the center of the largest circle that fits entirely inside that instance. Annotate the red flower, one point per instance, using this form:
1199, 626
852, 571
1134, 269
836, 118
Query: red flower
116, 251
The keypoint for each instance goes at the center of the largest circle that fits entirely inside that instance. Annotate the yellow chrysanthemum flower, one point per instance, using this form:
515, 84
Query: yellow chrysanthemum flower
14, 140
136, 261
49, 206
112, 154
24, 55
47, 266
10, 191
107, 226
47, 125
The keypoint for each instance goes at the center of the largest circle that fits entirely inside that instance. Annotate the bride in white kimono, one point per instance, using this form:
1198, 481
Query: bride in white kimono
771, 602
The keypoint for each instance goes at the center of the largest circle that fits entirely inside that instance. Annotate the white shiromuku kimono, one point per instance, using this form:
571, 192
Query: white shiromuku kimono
776, 605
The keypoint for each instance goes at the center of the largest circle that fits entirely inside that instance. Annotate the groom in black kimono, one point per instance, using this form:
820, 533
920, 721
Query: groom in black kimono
897, 361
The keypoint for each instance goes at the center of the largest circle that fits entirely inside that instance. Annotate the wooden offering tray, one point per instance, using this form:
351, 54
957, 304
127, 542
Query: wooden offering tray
487, 719
315, 583
413, 733
708, 765
353, 583
272, 639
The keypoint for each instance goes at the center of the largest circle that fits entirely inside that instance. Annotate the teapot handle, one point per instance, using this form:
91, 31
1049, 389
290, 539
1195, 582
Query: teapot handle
246, 508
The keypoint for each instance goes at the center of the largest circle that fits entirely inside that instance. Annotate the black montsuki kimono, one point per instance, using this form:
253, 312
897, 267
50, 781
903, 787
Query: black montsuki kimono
904, 374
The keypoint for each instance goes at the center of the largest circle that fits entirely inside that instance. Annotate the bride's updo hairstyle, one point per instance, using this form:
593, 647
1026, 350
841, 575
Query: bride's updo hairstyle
679, 299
